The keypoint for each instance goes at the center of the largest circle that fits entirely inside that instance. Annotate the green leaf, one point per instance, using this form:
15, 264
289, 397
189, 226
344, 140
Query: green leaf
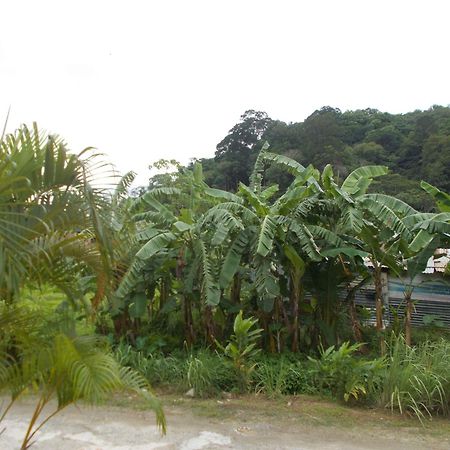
138, 305
442, 198
155, 245
182, 226
233, 259
266, 236
222, 195
358, 181
395, 204
287, 163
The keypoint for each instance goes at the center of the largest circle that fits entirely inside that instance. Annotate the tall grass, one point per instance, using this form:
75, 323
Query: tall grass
417, 379
280, 375
205, 372
209, 374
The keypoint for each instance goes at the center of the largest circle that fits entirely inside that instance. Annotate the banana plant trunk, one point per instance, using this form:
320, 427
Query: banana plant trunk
209, 326
356, 326
295, 300
189, 331
379, 304
408, 317
164, 292
278, 318
236, 290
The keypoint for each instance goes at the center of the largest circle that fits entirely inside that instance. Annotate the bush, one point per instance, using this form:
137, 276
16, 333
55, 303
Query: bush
345, 375
157, 368
413, 380
241, 349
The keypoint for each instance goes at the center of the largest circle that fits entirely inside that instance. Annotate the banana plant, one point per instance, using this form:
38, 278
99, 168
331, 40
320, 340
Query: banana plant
269, 235
170, 233
241, 348
375, 221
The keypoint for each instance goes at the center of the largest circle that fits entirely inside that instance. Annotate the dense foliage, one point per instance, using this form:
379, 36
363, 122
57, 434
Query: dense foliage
415, 146
292, 257
410, 380
247, 288
55, 230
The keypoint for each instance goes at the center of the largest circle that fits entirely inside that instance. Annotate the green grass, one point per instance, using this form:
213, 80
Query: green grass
301, 410
417, 380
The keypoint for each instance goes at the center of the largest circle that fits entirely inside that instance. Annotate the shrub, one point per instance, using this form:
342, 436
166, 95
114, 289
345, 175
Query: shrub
270, 377
241, 349
345, 375
157, 368
206, 372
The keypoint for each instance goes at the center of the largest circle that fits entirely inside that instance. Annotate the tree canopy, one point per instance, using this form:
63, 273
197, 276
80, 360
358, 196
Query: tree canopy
415, 146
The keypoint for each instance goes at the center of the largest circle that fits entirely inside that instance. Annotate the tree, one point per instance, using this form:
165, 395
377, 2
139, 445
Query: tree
171, 247
235, 154
436, 161
427, 233
53, 227
376, 221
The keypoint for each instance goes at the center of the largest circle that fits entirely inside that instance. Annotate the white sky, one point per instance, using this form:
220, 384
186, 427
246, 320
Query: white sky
144, 80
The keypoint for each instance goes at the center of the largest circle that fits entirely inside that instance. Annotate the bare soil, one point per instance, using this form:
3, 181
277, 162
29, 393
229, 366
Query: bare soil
247, 422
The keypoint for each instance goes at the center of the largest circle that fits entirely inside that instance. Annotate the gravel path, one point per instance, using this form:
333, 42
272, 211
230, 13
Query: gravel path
112, 428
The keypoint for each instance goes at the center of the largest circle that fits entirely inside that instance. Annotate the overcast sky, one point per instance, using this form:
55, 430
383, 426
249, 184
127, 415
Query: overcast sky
144, 80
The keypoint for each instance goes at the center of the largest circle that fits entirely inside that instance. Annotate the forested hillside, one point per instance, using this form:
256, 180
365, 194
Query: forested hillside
415, 146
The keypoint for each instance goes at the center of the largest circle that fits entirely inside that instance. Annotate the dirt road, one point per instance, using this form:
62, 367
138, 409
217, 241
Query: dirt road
119, 428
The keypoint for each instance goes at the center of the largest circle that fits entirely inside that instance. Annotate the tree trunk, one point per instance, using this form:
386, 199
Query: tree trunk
356, 326
151, 301
163, 292
408, 317
379, 305
209, 326
378, 298
122, 324
278, 318
188, 322
235, 293
265, 320
295, 299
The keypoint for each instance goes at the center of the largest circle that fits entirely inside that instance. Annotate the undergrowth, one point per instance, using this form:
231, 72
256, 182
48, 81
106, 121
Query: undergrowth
411, 380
